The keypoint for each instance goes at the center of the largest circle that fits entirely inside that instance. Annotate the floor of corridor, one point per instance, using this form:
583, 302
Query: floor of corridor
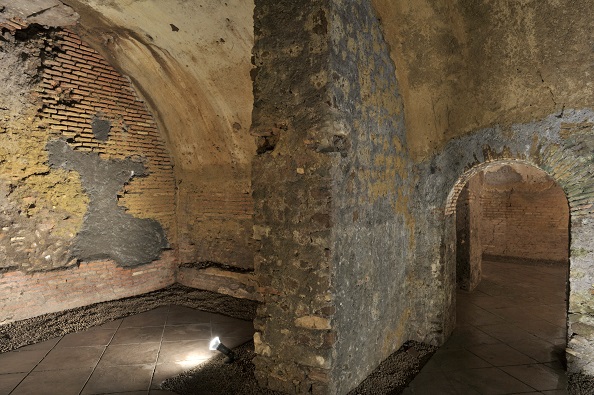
509, 337
129, 356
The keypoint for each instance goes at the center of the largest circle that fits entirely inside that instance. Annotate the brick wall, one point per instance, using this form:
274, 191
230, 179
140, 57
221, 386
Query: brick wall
77, 90
78, 87
525, 216
25, 295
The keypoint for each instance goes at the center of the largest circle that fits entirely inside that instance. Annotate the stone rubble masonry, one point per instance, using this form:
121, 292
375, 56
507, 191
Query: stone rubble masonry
469, 252
292, 189
333, 237
26, 295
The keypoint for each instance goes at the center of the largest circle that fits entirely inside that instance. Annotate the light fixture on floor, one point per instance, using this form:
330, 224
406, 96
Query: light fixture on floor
216, 345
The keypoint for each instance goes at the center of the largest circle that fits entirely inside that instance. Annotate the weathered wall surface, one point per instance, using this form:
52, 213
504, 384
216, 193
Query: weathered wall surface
371, 230
85, 176
465, 65
525, 216
41, 210
26, 295
292, 190
469, 221
191, 62
330, 215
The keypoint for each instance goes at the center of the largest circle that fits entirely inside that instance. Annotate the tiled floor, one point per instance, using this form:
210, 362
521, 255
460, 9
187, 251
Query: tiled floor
509, 338
129, 356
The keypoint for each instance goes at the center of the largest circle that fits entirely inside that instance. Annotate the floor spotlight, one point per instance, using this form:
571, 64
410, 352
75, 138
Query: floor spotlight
215, 344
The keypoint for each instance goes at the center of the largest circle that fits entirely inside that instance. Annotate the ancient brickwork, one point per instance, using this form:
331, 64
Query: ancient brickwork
524, 217
215, 211
94, 108
25, 295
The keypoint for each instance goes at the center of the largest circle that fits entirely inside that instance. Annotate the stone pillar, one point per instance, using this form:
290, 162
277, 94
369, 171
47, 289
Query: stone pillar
291, 186
330, 185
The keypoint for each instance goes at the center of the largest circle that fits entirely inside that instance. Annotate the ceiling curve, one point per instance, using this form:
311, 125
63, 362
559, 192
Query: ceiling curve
190, 60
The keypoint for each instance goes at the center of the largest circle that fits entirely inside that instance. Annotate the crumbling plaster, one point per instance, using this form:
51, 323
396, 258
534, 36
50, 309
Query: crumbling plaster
191, 62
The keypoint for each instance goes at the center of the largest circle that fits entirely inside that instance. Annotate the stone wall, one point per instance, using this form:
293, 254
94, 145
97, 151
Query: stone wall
469, 224
371, 226
330, 215
561, 147
85, 176
525, 216
292, 191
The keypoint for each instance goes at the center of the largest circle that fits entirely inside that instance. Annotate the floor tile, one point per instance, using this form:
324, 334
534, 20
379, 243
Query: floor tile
477, 316
112, 379
538, 349
543, 329
55, 382
92, 337
20, 361
237, 329
156, 317
501, 355
164, 371
187, 332
180, 315
150, 334
468, 336
43, 346
9, 381
486, 381
111, 324
71, 358
457, 359
538, 376
434, 383
130, 354
185, 353
506, 332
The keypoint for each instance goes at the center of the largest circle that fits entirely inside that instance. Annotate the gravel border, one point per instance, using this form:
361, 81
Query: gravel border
48, 326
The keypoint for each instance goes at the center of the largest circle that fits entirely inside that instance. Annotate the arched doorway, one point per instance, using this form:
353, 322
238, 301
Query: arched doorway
507, 242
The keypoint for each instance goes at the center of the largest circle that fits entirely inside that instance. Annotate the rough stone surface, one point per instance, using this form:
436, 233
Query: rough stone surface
469, 250
370, 223
40, 210
108, 231
51, 13
292, 192
467, 65
331, 221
